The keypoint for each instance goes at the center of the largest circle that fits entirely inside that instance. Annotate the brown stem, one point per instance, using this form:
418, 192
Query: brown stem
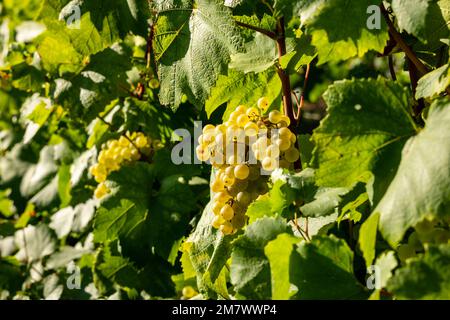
286, 84
414, 78
402, 44
391, 68
302, 96
270, 34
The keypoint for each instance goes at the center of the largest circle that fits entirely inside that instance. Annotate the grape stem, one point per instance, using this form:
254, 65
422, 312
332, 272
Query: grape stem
123, 135
280, 37
402, 44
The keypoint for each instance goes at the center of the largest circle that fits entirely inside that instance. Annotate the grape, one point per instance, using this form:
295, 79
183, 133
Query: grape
243, 198
275, 116
222, 196
226, 228
241, 171
217, 186
263, 104
217, 206
114, 154
232, 147
253, 113
188, 292
227, 212
292, 155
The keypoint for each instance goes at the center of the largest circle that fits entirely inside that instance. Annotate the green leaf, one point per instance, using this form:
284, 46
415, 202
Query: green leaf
250, 268
323, 269
386, 263
34, 242
98, 83
421, 187
260, 54
278, 252
335, 40
367, 126
368, 237
208, 249
243, 89
104, 22
425, 277
434, 82
425, 19
192, 43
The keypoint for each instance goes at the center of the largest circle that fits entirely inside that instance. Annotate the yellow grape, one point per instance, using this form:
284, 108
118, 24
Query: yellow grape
242, 120
275, 116
226, 228
217, 186
241, 171
253, 113
283, 144
218, 221
188, 292
227, 180
227, 212
222, 197
263, 104
241, 109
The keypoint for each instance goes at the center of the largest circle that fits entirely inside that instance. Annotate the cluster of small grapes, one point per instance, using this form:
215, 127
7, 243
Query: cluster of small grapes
426, 232
117, 152
238, 149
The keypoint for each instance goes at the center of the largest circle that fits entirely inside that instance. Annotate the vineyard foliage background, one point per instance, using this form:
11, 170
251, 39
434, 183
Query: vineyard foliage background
374, 191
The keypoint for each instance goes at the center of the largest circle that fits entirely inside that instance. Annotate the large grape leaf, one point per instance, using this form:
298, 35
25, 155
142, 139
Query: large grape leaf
278, 252
98, 83
367, 125
434, 82
421, 187
334, 39
208, 251
425, 277
127, 205
192, 43
250, 268
64, 46
323, 269
425, 19
243, 89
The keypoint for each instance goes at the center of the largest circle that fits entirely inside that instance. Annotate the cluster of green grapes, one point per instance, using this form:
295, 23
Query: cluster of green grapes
118, 152
244, 150
426, 232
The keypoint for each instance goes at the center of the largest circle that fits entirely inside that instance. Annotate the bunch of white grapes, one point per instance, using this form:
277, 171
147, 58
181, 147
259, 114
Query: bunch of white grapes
116, 153
426, 232
238, 149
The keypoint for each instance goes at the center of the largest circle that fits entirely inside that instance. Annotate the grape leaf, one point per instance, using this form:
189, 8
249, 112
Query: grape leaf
425, 277
323, 269
425, 19
335, 40
238, 88
368, 237
260, 54
367, 126
434, 82
193, 41
421, 187
278, 252
250, 268
208, 250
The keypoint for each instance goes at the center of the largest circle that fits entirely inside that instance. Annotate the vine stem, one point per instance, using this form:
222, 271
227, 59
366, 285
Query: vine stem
270, 34
402, 44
